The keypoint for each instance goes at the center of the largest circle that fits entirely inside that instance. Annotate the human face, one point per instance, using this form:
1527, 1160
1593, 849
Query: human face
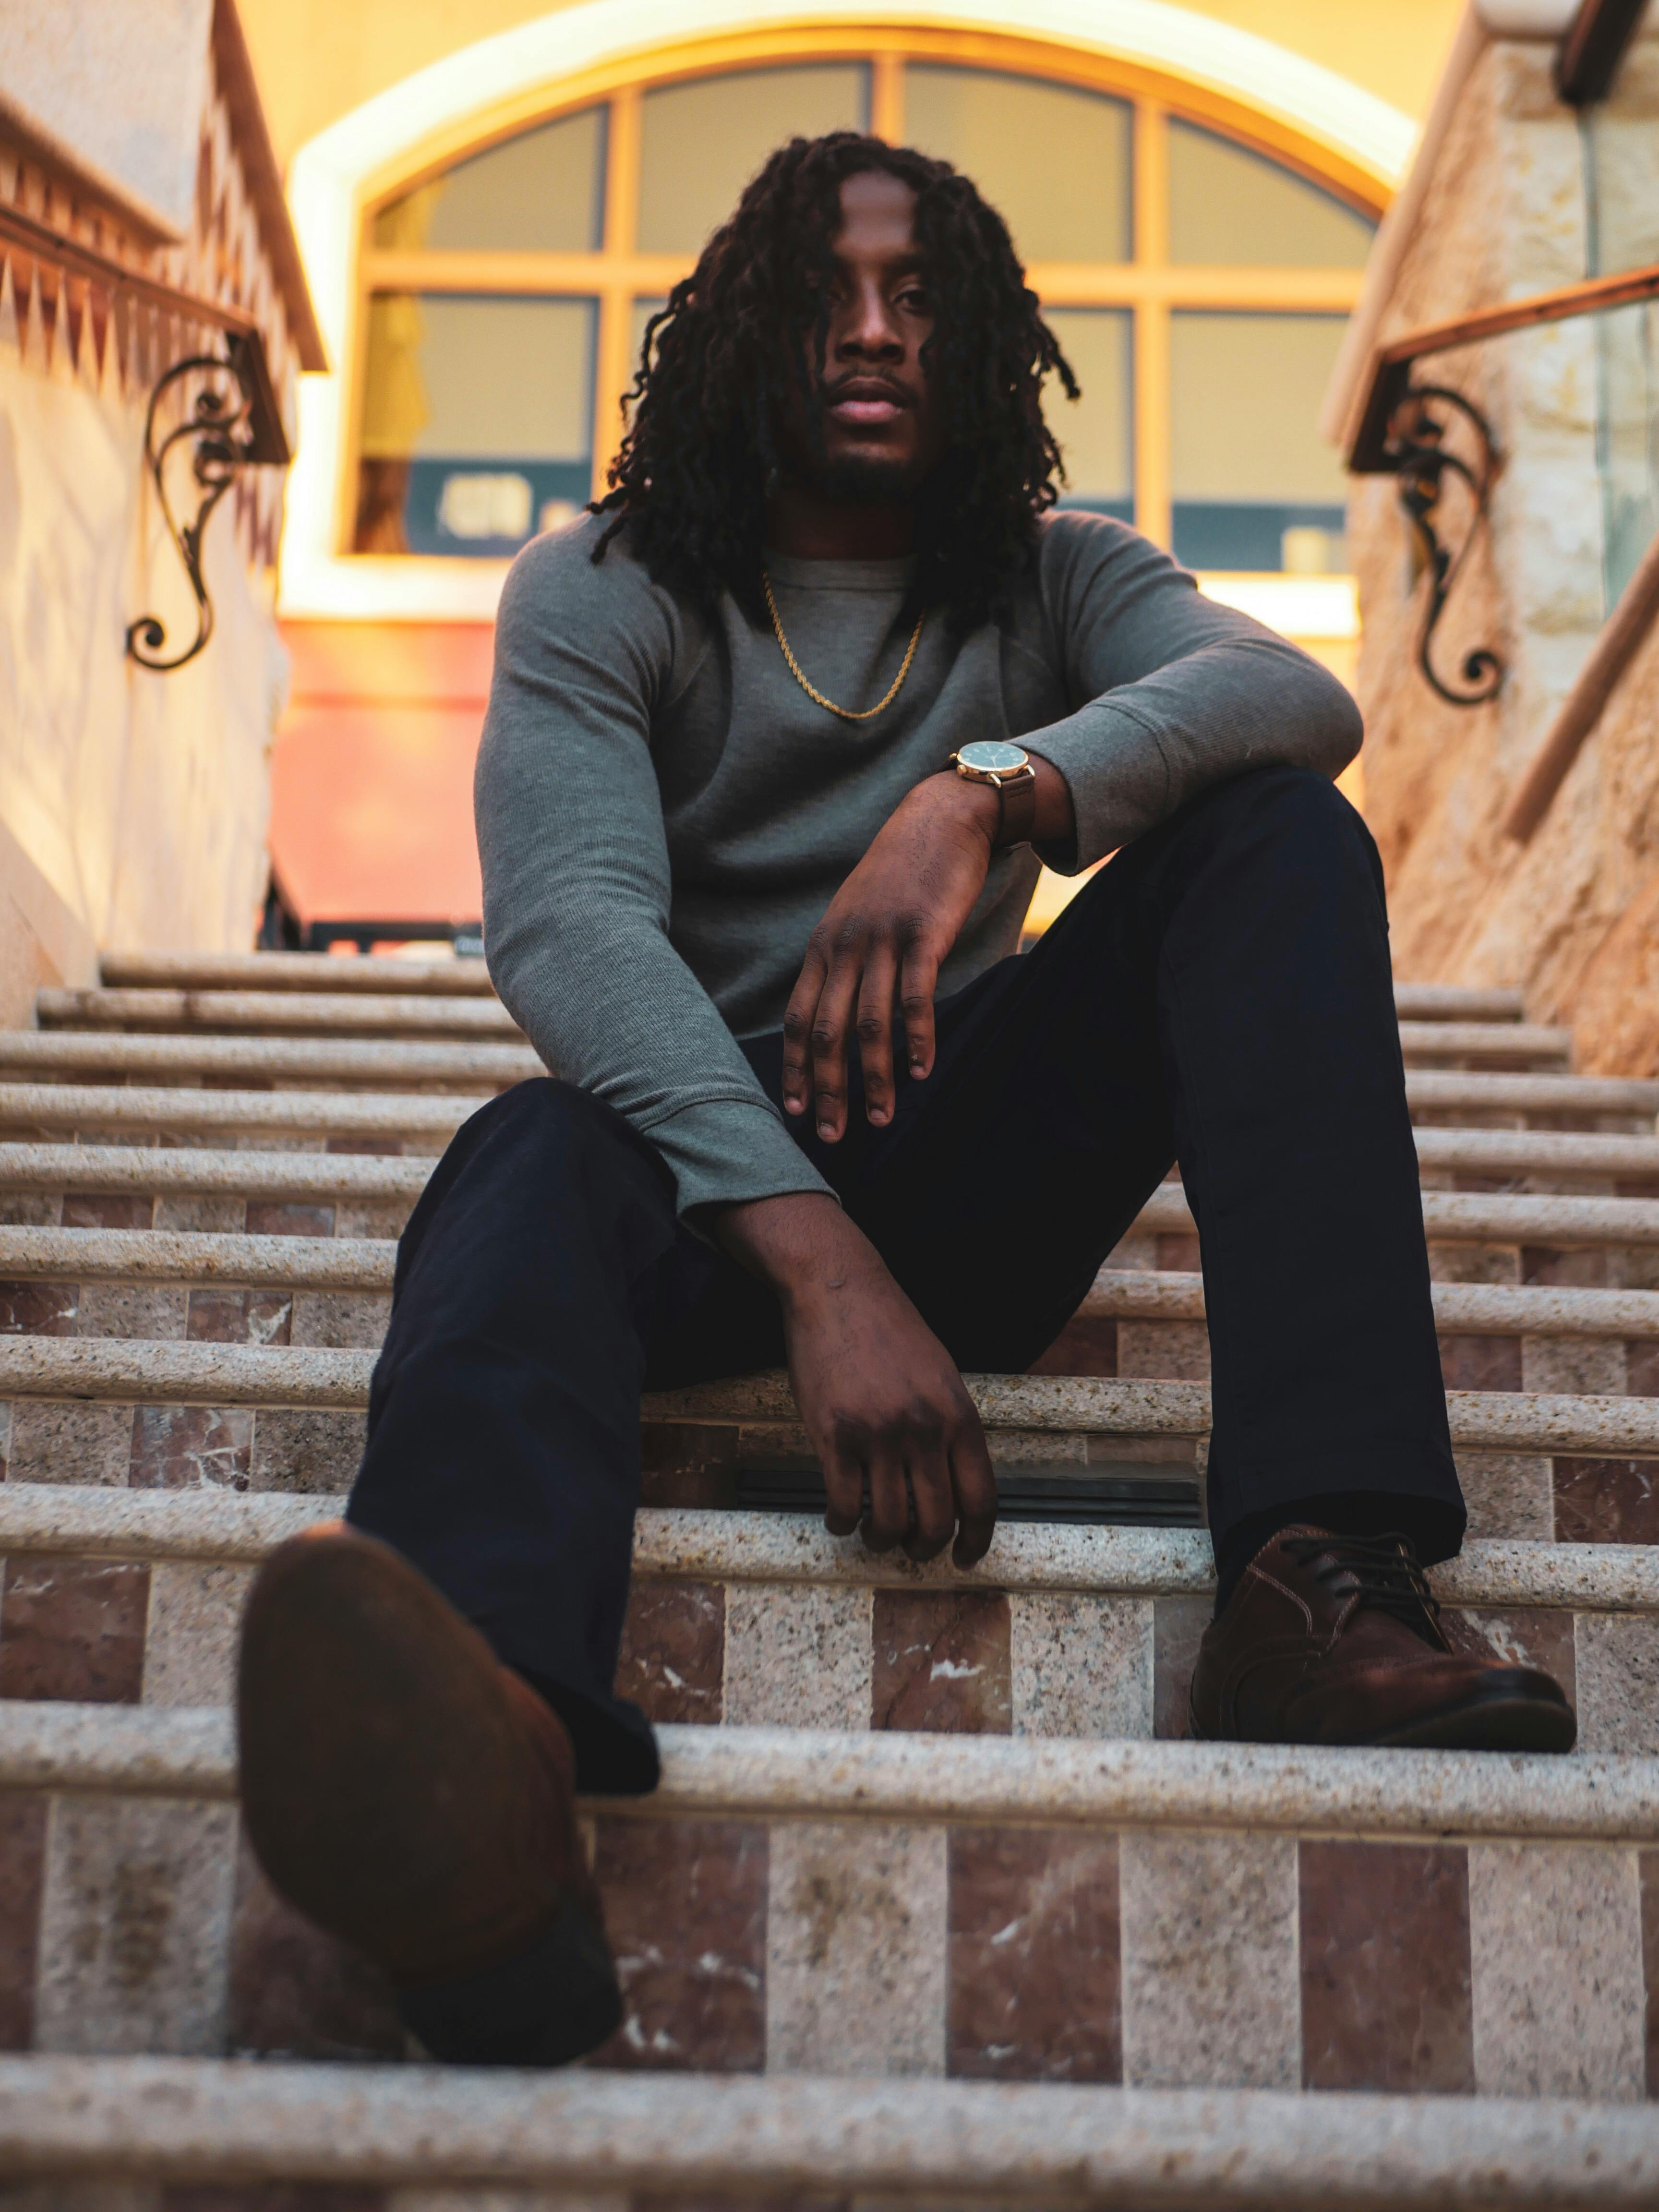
879, 423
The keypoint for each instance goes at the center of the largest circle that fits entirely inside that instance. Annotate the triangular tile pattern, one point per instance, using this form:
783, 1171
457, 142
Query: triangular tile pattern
64, 323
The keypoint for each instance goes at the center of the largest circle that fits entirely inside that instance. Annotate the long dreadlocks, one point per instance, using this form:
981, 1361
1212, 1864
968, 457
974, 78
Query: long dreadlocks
690, 482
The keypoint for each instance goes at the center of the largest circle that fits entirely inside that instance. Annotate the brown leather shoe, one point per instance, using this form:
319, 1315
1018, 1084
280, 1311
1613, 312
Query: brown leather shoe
1336, 1640
416, 1798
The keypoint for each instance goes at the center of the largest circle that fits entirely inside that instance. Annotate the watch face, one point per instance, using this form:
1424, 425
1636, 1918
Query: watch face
991, 755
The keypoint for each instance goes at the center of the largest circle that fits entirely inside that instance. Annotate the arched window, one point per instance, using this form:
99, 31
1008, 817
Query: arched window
1198, 281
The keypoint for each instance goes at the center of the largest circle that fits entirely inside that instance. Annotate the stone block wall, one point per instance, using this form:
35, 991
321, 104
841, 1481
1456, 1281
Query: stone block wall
1571, 918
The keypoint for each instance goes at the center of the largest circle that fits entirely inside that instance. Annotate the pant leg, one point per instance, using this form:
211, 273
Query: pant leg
542, 1265
1220, 991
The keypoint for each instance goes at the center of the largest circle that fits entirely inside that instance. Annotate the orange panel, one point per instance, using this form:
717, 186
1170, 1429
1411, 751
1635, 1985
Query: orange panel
372, 775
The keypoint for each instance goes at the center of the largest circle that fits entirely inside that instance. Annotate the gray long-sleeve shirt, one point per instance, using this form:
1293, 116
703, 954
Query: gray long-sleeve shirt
664, 814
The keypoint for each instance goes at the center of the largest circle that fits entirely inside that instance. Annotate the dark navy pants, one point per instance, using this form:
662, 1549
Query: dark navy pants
1219, 993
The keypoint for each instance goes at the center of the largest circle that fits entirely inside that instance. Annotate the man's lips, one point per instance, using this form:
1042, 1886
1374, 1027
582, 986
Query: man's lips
866, 406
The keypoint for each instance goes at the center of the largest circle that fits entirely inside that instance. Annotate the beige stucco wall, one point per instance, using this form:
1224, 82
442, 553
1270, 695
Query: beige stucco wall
132, 805
317, 59
1505, 217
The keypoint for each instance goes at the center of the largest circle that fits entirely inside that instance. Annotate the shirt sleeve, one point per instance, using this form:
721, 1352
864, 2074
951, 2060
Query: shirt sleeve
576, 882
1175, 692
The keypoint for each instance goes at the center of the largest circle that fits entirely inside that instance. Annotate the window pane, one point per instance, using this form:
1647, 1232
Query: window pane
543, 193
703, 141
477, 423
1230, 208
1054, 162
1254, 484
1095, 432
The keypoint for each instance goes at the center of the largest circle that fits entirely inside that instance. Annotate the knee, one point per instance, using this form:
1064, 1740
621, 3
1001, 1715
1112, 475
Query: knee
1295, 809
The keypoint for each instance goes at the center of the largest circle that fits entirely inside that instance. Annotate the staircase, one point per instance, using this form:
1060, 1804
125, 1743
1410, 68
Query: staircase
933, 1908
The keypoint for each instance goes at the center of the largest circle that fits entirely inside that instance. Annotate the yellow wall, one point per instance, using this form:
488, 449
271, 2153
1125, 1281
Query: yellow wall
316, 59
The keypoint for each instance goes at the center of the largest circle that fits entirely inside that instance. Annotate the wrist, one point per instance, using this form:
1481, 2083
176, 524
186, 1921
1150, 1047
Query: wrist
975, 808
800, 1244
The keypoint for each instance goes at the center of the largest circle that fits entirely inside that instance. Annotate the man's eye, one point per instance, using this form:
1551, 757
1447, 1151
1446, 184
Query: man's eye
919, 301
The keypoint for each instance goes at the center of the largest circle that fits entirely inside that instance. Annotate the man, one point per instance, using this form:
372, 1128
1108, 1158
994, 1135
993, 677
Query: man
773, 744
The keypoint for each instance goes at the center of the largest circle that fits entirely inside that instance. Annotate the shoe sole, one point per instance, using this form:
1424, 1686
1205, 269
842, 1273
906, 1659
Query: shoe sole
1501, 1722
373, 1741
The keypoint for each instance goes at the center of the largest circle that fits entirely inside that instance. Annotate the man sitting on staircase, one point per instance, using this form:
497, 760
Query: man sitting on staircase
776, 740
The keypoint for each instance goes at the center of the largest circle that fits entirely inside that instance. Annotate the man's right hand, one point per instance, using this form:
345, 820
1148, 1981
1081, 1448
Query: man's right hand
881, 1399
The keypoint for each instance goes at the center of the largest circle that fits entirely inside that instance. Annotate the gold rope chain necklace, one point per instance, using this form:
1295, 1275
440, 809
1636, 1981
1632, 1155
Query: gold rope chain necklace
846, 712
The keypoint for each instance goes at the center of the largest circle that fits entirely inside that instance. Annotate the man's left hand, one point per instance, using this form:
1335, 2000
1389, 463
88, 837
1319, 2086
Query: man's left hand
882, 942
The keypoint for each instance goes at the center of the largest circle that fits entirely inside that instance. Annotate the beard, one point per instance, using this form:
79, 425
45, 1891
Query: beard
866, 483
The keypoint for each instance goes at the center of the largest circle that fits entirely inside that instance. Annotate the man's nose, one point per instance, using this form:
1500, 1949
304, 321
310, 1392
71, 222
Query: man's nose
867, 327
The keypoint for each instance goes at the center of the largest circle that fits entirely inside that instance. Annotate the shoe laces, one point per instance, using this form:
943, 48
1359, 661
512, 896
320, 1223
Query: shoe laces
1383, 1572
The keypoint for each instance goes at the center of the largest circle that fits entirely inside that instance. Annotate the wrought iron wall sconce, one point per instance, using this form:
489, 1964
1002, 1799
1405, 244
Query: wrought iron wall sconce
234, 423
1404, 436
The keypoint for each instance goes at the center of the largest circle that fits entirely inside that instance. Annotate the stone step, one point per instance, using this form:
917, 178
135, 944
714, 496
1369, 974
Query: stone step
1626, 1097
136, 1370
141, 1186
144, 1171
325, 971
1460, 1309
337, 1014
108, 2133
149, 1255
369, 1063
763, 1619
74, 1255
181, 1415
795, 1901
1476, 1217
1514, 1044
413, 1118
446, 978
359, 1012
252, 1115
1451, 1002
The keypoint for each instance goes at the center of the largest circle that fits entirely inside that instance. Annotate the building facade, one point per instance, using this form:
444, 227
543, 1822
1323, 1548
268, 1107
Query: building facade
142, 223
488, 235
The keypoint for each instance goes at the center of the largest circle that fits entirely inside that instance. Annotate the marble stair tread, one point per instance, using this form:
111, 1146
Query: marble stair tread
801, 1773
1448, 1090
367, 1060
142, 1370
104, 1107
588, 2141
349, 1113
1469, 1217
672, 1543
1474, 1309
342, 1013
161, 1255
1477, 1040
1475, 1218
1454, 1002
203, 1171
392, 1062
446, 978
450, 977
359, 1263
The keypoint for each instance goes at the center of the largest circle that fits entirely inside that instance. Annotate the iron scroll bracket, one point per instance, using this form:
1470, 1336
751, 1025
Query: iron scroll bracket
234, 423
1406, 438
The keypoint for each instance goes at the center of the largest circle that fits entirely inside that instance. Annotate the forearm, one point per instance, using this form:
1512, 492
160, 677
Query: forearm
800, 1243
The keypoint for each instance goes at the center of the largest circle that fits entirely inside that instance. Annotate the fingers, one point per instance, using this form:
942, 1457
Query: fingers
888, 1521
843, 1484
917, 977
875, 1032
933, 1502
974, 1486
828, 1037
797, 1030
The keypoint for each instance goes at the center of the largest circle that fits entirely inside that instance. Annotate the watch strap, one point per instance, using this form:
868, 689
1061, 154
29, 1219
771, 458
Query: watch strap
1017, 798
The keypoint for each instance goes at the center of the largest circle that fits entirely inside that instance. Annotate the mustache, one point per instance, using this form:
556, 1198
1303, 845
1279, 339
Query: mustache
829, 394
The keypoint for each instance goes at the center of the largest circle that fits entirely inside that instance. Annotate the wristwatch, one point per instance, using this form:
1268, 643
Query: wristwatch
993, 761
